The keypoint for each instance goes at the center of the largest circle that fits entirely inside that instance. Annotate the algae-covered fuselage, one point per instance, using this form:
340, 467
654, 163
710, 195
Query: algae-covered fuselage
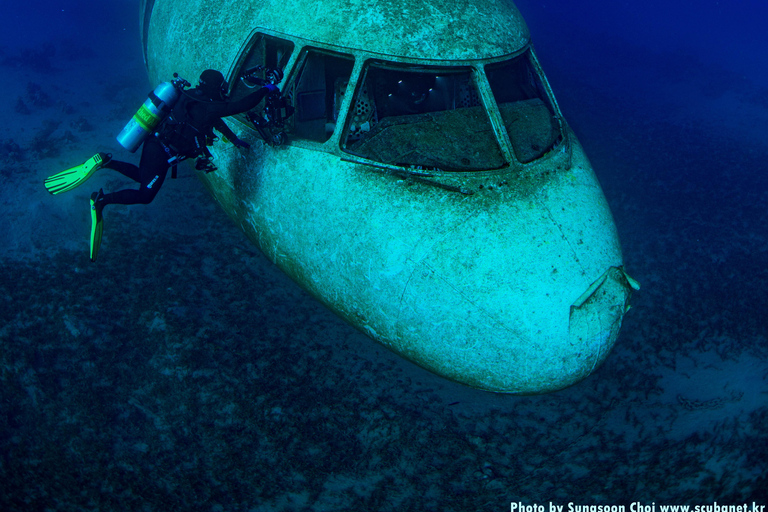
429, 190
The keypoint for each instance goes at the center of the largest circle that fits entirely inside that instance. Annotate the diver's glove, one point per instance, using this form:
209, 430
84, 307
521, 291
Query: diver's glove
239, 143
272, 88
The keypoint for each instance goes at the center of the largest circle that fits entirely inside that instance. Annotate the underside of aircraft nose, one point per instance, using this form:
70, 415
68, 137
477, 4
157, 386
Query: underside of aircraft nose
514, 344
526, 314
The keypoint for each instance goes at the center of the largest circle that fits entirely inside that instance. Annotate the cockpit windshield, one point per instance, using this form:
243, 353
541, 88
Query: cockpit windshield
526, 110
421, 117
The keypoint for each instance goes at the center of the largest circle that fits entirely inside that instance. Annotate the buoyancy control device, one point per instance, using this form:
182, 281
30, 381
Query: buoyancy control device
151, 113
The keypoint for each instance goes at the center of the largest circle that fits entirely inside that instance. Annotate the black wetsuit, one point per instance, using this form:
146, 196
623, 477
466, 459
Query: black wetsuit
202, 115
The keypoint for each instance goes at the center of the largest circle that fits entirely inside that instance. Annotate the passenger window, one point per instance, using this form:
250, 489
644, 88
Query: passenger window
525, 107
318, 93
423, 118
266, 53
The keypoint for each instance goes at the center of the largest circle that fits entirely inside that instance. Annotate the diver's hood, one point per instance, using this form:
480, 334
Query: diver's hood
212, 84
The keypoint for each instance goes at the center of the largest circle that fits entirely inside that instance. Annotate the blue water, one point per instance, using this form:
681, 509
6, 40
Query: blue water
184, 372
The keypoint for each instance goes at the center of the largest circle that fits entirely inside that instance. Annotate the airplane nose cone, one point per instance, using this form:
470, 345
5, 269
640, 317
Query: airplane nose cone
523, 299
514, 289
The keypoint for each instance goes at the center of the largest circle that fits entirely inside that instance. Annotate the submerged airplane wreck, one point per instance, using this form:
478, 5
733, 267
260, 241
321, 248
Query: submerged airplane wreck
416, 176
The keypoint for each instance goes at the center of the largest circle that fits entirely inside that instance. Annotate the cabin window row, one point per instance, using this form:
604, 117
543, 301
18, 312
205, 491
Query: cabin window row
408, 115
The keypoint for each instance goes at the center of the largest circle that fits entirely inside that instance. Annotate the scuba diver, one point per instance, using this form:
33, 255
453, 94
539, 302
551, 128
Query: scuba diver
173, 124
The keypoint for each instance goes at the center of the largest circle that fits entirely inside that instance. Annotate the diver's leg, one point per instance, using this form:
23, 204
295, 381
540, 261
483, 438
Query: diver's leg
128, 170
151, 174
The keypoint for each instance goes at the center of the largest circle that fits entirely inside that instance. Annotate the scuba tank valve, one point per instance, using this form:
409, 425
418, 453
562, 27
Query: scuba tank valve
151, 113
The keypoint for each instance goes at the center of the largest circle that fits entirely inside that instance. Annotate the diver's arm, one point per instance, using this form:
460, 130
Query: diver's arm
223, 128
247, 103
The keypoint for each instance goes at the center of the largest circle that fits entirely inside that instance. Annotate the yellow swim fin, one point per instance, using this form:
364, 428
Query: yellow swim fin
71, 178
97, 224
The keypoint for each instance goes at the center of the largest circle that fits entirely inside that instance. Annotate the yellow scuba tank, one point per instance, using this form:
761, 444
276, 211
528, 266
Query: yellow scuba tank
151, 113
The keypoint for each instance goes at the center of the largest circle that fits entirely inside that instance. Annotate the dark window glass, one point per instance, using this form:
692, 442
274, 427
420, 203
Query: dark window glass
421, 117
317, 94
525, 107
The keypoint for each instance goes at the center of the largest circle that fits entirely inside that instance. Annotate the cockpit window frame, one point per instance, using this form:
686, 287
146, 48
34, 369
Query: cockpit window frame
430, 67
562, 143
301, 49
247, 47
298, 69
335, 144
